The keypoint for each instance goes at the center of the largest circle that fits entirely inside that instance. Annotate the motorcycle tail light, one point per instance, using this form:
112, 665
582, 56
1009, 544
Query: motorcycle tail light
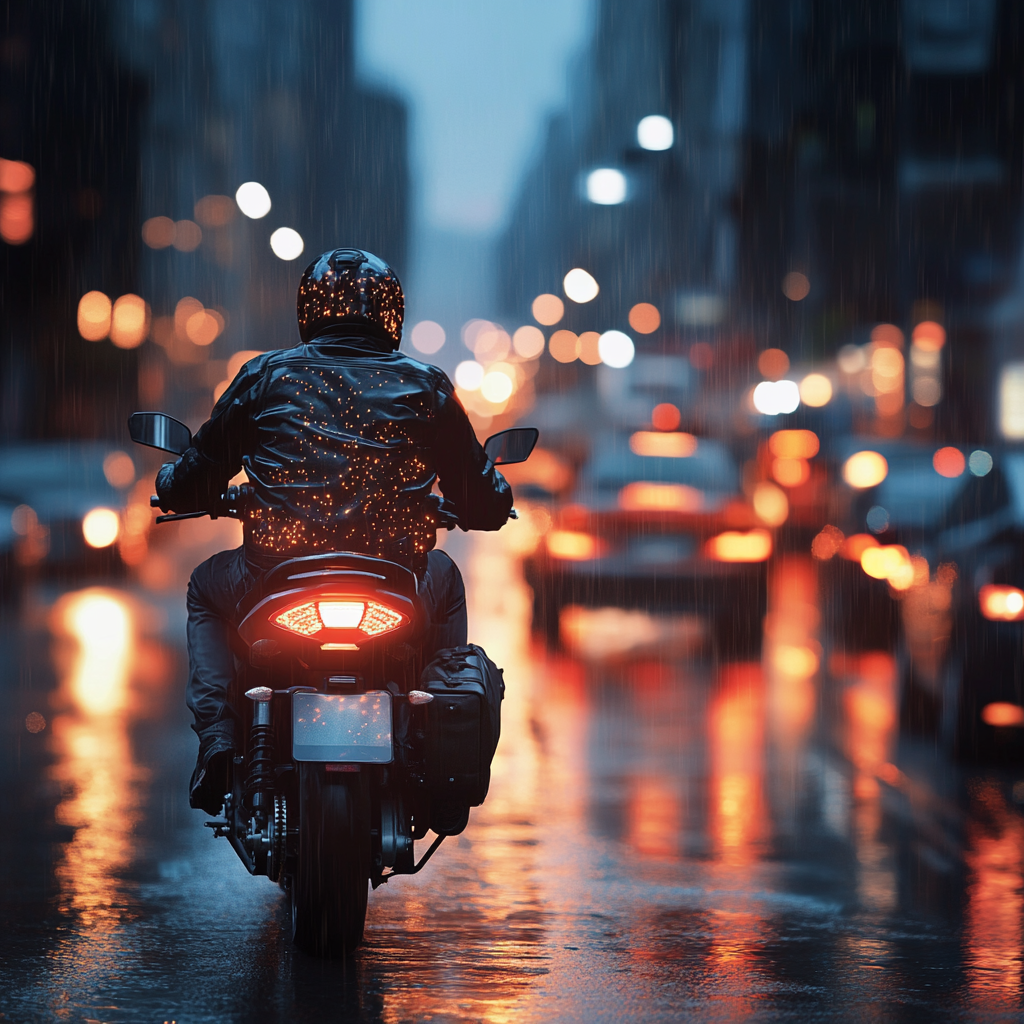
1001, 603
313, 617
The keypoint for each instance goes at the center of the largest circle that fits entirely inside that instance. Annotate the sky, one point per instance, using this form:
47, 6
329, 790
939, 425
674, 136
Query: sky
480, 77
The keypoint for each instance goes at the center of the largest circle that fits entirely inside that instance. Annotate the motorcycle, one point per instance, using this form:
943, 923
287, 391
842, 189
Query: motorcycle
337, 775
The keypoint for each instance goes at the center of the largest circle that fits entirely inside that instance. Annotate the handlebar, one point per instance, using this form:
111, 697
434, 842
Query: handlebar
231, 505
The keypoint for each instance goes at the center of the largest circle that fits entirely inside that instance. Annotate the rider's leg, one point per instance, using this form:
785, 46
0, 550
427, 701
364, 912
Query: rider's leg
216, 587
444, 594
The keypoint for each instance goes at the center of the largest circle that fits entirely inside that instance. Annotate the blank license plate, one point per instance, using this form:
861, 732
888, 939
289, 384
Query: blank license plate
352, 727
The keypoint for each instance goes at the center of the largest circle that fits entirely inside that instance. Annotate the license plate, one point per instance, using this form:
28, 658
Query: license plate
353, 727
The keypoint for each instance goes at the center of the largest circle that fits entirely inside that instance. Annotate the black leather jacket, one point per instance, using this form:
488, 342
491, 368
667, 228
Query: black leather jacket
342, 441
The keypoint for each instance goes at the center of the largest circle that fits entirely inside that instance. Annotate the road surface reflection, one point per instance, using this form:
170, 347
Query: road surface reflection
665, 835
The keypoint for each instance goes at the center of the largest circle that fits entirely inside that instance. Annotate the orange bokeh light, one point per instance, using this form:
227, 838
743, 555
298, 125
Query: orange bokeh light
1001, 603
791, 472
129, 322
548, 309
665, 416
855, 545
573, 545
827, 543
772, 363
794, 444
949, 462
929, 336
865, 469
564, 346
736, 546
1002, 714
16, 176
644, 318
94, 311
662, 445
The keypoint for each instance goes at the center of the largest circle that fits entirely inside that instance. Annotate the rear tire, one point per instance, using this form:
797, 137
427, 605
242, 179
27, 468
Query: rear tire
332, 869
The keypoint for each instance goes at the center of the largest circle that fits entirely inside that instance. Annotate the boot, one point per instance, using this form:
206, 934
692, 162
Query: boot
212, 777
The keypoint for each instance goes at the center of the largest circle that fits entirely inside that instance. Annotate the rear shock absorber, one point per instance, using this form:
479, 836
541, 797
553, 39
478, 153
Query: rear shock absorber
260, 784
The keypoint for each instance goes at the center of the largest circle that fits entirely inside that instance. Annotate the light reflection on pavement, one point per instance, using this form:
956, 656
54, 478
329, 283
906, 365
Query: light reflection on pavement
664, 838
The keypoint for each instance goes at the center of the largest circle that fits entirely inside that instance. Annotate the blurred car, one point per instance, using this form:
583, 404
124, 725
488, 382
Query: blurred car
657, 522
67, 504
964, 625
895, 506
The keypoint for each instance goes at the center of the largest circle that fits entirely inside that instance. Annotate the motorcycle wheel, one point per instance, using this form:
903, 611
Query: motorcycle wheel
332, 869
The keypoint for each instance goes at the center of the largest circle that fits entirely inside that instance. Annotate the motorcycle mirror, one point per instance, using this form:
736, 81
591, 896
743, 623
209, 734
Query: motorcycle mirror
511, 446
158, 430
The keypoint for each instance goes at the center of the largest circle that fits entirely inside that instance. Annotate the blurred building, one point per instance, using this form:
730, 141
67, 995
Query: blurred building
829, 166
261, 92
137, 123
70, 140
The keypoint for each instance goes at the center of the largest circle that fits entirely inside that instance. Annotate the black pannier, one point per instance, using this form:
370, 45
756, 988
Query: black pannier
464, 723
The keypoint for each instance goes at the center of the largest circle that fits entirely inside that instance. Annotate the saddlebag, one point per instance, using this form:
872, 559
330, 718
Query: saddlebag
463, 724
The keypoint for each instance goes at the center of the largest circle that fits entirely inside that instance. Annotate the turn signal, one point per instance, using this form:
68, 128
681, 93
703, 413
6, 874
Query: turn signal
1001, 603
369, 617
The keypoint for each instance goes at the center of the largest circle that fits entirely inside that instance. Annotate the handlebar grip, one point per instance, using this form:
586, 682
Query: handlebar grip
513, 514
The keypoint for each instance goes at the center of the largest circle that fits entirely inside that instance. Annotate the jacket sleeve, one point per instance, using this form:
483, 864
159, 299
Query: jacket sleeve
200, 476
480, 494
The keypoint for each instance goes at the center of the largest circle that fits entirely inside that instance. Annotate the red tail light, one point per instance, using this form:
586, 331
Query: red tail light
311, 618
1001, 603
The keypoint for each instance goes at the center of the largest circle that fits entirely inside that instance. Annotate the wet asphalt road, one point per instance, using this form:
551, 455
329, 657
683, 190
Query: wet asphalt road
665, 839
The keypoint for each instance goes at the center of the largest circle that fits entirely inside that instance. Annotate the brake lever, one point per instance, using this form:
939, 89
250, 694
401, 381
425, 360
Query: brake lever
174, 516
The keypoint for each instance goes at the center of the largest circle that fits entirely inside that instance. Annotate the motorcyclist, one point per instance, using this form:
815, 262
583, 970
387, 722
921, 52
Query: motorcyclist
342, 439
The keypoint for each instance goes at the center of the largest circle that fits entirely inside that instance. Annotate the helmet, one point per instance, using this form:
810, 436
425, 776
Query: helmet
351, 286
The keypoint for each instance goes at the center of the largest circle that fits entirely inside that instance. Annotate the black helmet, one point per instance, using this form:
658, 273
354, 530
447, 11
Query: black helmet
351, 286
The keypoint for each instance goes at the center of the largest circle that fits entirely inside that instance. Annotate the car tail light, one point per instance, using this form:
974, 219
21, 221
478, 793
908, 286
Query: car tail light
642, 496
312, 617
1001, 603
1000, 713
574, 545
735, 546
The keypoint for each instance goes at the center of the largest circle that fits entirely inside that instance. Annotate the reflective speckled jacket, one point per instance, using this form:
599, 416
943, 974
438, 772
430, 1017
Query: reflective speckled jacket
342, 441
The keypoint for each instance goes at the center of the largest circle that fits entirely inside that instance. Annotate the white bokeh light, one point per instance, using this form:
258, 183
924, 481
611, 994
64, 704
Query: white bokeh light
606, 186
580, 286
497, 387
253, 200
655, 133
469, 375
427, 337
772, 398
615, 349
287, 243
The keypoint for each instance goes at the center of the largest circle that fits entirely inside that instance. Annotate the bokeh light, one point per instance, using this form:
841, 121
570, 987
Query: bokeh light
796, 286
427, 337
253, 200
100, 527
794, 444
772, 363
865, 469
16, 176
563, 346
644, 318
286, 244
770, 503
590, 348
497, 386
94, 311
815, 390
158, 232
580, 286
773, 398
528, 341
616, 349
203, 326
655, 133
469, 375
929, 336
119, 469
980, 462
665, 416
17, 217
949, 462
129, 322
606, 186
547, 309
187, 235
214, 211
